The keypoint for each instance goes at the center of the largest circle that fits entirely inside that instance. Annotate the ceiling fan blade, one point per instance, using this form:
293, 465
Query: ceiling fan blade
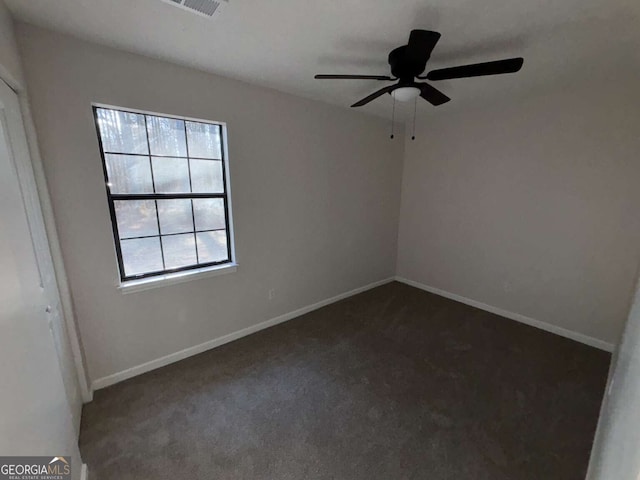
353, 77
510, 65
421, 44
375, 95
432, 95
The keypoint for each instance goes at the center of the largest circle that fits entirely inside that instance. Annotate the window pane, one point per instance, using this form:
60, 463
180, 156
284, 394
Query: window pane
122, 132
212, 246
204, 140
136, 218
141, 255
179, 251
206, 176
175, 216
171, 175
129, 174
208, 213
166, 136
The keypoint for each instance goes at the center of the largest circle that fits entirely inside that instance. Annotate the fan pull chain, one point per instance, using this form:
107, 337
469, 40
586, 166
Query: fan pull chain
393, 115
415, 107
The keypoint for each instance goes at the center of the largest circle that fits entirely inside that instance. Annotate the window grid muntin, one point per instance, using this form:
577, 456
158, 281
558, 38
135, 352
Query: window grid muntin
176, 233
168, 196
193, 216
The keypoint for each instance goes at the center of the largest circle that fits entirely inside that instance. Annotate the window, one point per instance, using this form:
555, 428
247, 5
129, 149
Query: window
167, 189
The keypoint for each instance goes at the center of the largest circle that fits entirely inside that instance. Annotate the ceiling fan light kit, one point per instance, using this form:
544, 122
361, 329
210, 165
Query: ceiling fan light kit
409, 62
405, 94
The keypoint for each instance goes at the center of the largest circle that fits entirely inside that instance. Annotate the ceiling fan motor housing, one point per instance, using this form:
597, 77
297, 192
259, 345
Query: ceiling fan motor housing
403, 68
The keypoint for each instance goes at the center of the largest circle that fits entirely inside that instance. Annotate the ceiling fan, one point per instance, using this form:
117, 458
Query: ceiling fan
408, 62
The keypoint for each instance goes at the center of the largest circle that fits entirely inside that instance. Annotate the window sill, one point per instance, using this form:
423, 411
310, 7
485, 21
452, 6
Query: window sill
175, 278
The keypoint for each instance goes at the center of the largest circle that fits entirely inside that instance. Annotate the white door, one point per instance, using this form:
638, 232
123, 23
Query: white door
616, 449
36, 410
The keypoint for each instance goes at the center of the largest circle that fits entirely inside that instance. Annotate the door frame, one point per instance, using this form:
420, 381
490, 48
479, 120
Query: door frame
39, 211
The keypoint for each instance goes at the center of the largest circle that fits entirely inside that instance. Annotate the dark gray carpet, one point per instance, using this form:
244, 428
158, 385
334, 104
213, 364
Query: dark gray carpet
392, 384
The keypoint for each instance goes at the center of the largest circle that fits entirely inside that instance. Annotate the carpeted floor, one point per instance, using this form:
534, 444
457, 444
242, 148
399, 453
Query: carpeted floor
394, 383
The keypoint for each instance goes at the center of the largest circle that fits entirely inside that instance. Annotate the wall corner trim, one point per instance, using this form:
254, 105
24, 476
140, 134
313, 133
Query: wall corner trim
112, 379
563, 332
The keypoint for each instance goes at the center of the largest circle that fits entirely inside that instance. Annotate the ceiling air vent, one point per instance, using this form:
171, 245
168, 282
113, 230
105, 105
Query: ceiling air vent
206, 8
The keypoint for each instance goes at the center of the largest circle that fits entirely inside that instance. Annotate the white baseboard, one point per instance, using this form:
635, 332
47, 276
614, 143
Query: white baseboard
216, 342
84, 472
579, 337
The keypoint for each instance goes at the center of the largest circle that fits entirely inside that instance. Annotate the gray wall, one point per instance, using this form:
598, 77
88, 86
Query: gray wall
315, 193
530, 207
10, 66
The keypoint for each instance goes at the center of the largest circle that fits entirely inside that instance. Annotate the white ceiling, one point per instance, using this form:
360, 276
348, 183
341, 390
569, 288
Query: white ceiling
283, 43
